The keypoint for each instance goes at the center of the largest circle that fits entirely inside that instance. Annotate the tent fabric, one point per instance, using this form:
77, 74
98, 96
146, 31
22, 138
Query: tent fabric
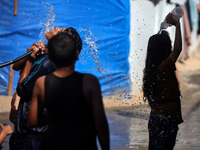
194, 13
104, 27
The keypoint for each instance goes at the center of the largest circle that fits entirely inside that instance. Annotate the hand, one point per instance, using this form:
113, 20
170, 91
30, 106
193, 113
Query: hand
171, 20
6, 129
37, 48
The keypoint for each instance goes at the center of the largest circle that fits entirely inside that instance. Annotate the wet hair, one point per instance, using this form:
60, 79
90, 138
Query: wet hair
62, 49
159, 48
76, 36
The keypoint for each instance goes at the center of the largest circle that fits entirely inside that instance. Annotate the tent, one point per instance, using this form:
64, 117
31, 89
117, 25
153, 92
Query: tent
103, 26
114, 33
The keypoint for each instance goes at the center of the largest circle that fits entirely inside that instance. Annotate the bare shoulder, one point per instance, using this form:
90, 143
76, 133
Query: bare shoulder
90, 80
39, 88
90, 77
91, 88
40, 81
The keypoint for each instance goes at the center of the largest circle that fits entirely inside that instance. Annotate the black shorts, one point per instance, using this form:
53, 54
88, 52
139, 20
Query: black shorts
162, 132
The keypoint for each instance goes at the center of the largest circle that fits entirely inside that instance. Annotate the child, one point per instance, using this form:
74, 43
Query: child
73, 100
161, 88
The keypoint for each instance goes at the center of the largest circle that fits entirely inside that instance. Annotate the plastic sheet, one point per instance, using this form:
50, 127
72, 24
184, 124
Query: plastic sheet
103, 25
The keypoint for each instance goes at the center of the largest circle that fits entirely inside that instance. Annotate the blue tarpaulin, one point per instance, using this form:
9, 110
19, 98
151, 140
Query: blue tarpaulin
103, 25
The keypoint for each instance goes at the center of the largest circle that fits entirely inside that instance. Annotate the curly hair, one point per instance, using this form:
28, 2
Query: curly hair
62, 49
159, 48
75, 36
63, 46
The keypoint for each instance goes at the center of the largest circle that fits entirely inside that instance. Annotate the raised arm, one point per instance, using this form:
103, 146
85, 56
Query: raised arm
36, 47
36, 107
178, 39
93, 94
24, 66
19, 66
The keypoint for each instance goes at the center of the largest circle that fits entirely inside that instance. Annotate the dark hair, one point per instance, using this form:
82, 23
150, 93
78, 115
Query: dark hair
159, 48
76, 36
62, 49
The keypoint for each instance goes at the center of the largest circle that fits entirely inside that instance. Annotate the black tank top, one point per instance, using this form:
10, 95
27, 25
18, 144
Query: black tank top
71, 123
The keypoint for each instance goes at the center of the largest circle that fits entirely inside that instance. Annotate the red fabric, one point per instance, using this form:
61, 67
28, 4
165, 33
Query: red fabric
198, 8
187, 34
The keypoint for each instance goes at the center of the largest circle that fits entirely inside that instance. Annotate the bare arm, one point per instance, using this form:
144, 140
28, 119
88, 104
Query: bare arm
16, 98
36, 107
24, 65
178, 39
93, 94
5, 131
29, 60
26, 69
14, 107
18, 66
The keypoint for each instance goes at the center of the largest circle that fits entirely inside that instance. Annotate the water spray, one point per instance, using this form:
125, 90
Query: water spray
47, 27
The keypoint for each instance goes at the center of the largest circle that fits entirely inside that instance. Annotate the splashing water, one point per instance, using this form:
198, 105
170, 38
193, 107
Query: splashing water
47, 23
91, 40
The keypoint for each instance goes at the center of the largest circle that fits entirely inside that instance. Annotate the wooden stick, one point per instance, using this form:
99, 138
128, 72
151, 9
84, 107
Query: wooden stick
15, 8
10, 81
